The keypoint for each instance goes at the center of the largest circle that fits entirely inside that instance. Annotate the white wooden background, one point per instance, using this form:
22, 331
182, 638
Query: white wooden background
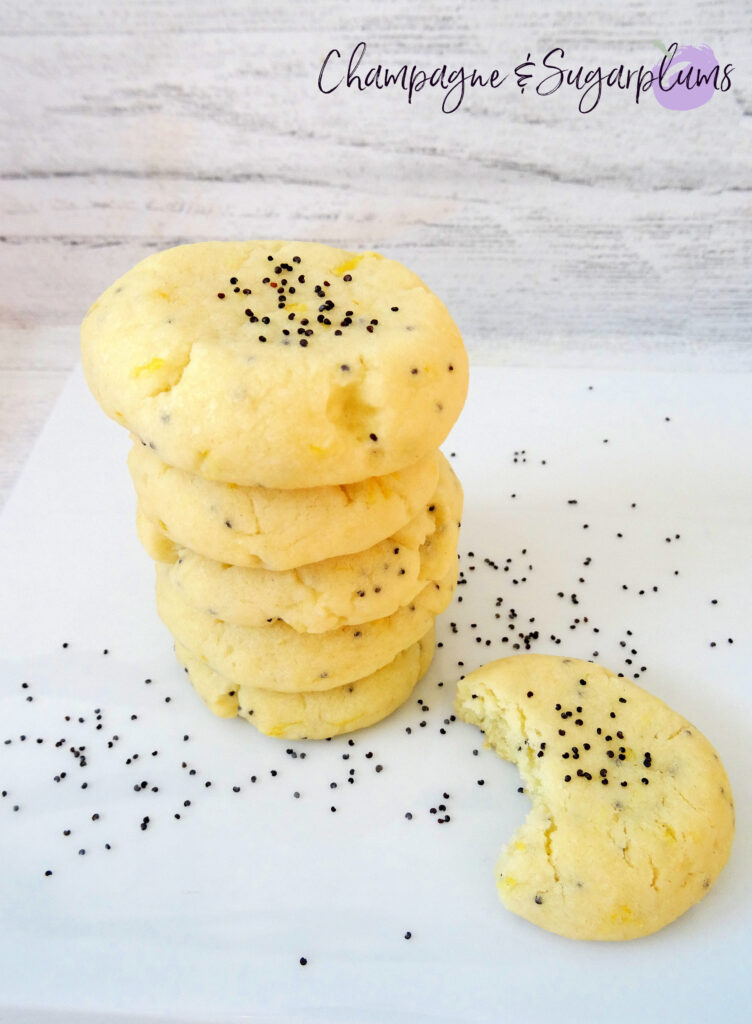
617, 238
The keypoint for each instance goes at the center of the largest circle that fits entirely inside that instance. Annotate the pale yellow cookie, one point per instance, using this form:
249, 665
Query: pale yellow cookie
282, 364
154, 539
346, 590
317, 715
276, 657
632, 817
273, 528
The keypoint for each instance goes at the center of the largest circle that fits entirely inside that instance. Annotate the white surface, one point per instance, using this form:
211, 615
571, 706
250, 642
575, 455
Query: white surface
204, 919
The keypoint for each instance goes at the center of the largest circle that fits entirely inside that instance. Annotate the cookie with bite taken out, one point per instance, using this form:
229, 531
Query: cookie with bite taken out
632, 815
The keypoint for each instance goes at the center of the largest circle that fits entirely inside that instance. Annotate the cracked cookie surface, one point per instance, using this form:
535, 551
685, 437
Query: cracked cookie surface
280, 364
632, 814
345, 590
276, 657
273, 528
317, 715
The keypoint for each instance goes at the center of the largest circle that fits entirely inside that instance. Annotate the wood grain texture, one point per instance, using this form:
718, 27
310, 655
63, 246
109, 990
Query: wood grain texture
620, 237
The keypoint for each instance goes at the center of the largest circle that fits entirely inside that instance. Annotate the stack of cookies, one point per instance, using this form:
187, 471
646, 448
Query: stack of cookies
286, 402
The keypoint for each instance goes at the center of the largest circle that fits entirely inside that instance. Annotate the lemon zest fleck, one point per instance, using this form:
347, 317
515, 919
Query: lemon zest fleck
150, 367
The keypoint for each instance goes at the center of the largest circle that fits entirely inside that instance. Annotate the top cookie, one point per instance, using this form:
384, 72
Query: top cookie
632, 817
281, 364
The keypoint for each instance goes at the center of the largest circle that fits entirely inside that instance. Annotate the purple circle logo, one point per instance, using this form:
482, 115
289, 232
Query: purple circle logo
686, 77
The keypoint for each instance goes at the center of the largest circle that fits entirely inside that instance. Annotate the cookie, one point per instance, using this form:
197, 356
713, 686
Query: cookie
154, 539
632, 817
273, 528
317, 715
281, 364
279, 658
345, 590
